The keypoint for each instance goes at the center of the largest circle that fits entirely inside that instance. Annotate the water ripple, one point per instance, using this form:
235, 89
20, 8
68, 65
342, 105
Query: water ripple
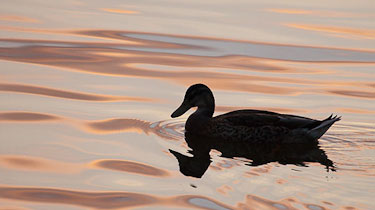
148, 55
131, 167
348, 143
26, 116
221, 47
114, 200
45, 91
167, 129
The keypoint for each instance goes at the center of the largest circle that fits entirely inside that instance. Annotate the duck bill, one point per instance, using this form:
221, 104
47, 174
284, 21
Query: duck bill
181, 110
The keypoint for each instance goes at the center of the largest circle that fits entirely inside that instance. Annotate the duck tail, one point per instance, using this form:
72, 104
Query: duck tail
324, 125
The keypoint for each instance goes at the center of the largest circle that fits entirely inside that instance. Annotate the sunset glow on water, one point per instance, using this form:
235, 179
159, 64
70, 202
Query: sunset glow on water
87, 89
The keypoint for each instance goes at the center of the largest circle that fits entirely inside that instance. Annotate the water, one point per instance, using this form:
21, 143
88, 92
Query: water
87, 89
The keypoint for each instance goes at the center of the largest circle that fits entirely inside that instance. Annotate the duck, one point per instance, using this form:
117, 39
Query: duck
247, 125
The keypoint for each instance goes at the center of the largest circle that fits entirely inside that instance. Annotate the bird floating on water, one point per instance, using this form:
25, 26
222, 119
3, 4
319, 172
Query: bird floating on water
253, 126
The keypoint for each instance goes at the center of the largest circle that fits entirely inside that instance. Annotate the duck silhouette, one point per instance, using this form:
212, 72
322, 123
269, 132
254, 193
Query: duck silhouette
248, 125
257, 135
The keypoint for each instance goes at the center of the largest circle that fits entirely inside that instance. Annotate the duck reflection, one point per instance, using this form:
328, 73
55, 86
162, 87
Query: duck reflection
257, 154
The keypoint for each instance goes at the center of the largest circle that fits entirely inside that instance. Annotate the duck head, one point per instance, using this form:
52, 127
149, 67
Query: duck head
198, 95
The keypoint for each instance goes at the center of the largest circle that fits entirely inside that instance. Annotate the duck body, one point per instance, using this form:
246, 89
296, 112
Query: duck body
252, 126
258, 126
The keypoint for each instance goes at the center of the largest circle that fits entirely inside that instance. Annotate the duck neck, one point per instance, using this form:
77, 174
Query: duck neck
207, 108
201, 117
205, 111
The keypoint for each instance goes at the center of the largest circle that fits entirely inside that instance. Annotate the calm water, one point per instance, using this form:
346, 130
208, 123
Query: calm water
87, 88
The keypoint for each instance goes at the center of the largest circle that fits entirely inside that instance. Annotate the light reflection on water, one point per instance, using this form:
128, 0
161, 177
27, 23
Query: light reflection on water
85, 107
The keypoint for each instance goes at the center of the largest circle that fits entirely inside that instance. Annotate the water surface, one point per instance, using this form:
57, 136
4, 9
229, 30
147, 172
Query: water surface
87, 89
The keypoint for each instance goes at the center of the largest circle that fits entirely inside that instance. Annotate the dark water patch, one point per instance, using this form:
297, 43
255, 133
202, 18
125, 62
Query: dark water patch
131, 167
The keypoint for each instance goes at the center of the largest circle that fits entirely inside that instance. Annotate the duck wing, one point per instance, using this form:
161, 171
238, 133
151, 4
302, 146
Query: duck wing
257, 118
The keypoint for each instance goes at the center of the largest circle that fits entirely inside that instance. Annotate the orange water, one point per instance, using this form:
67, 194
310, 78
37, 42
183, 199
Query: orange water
87, 88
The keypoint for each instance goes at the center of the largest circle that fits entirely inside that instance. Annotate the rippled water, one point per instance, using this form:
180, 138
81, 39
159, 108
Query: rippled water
87, 88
